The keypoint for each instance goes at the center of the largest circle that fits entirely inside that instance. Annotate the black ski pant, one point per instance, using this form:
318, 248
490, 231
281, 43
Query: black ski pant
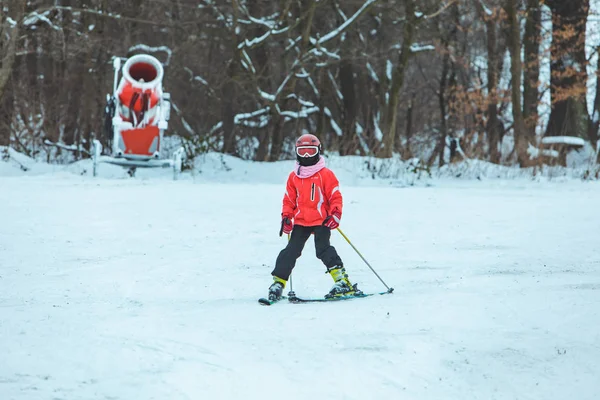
300, 234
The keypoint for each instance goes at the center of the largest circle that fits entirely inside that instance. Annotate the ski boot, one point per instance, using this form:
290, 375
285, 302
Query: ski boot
342, 286
276, 288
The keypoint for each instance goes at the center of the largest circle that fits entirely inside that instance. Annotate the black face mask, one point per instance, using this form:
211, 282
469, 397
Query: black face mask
308, 161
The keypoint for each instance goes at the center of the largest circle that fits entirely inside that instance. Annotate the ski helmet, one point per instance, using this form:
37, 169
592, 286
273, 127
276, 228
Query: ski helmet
308, 150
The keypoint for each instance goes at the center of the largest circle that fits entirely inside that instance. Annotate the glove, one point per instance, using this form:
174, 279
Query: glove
333, 221
286, 225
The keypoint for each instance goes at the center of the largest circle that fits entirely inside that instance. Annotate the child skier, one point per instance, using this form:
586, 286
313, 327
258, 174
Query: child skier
312, 204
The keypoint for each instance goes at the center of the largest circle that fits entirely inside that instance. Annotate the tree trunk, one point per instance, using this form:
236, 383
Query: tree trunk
493, 124
531, 43
264, 80
9, 35
447, 84
228, 95
442, 101
409, 126
398, 78
568, 69
595, 121
277, 129
349, 104
522, 139
229, 90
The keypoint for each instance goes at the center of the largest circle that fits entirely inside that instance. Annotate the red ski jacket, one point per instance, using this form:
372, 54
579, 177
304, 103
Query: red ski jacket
310, 200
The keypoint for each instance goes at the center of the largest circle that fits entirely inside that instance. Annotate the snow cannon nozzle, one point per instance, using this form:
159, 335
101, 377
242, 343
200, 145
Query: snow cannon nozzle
143, 72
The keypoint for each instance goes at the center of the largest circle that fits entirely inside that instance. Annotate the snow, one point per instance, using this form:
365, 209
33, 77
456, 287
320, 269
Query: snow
372, 72
305, 112
263, 21
34, 17
336, 128
215, 128
320, 50
201, 80
388, 69
152, 49
312, 84
378, 132
266, 96
254, 42
146, 288
249, 60
187, 126
570, 140
359, 133
486, 9
335, 85
263, 114
534, 152
347, 22
417, 48
305, 103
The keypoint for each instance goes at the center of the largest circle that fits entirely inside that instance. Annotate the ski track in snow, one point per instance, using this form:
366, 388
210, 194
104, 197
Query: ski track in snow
147, 289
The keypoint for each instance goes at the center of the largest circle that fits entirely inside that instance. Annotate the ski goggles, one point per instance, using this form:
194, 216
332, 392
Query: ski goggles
307, 151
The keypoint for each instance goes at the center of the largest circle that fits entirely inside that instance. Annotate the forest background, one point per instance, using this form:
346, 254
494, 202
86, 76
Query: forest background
437, 81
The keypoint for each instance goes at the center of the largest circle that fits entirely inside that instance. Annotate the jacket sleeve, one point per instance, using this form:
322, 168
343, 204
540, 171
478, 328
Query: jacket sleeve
333, 193
289, 198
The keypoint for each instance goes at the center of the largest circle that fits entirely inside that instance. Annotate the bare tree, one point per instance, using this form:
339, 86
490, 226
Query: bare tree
9, 36
370, 77
568, 68
532, 38
522, 139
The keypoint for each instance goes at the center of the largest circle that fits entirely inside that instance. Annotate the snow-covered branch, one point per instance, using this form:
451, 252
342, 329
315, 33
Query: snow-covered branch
347, 23
254, 42
485, 8
151, 49
247, 62
243, 116
304, 113
443, 8
63, 146
372, 72
319, 51
272, 29
305, 103
336, 128
34, 17
417, 48
198, 78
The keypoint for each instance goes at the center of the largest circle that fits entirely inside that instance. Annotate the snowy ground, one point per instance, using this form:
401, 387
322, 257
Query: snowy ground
146, 289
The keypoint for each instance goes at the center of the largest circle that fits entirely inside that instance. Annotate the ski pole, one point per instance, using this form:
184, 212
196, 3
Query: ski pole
390, 290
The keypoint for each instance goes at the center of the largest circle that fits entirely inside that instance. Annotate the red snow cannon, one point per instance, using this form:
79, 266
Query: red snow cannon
138, 115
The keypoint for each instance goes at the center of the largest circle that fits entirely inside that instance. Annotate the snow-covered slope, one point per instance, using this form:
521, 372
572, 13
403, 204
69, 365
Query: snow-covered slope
146, 289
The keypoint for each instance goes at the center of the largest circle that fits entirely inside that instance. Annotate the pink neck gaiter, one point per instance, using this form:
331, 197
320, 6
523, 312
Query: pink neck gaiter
305, 172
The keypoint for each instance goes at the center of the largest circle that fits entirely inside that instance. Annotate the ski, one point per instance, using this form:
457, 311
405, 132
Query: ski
299, 300
266, 302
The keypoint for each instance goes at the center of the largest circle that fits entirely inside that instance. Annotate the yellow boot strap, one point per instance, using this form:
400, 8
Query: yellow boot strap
278, 279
